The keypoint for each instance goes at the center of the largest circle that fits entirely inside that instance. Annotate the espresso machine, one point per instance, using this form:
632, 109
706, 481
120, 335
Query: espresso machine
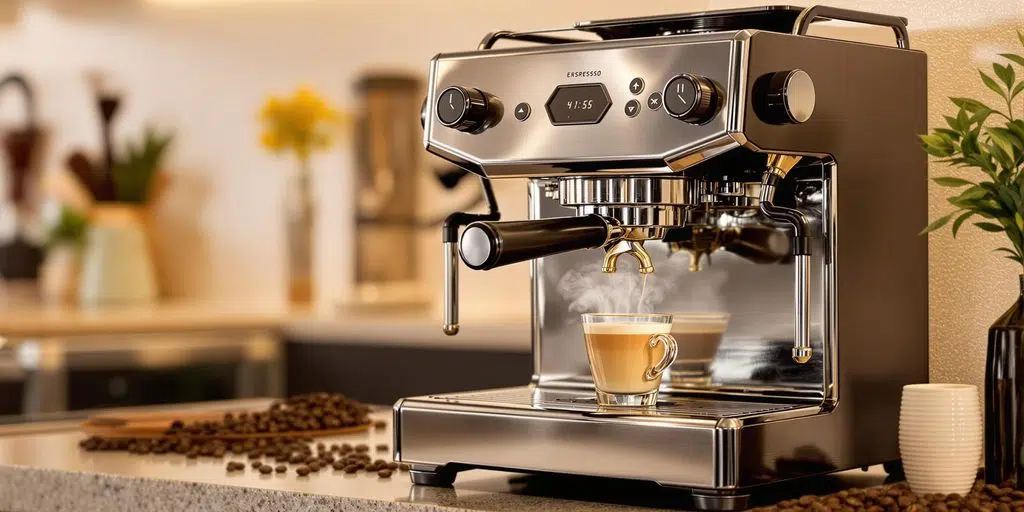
791, 161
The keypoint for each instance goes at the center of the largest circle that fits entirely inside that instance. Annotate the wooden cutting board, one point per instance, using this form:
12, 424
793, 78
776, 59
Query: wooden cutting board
152, 425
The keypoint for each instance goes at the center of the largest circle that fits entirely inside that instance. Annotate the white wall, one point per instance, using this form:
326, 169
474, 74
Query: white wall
205, 68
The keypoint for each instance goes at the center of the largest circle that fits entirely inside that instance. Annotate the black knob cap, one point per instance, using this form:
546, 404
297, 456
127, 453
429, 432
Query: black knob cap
692, 98
467, 109
486, 245
784, 97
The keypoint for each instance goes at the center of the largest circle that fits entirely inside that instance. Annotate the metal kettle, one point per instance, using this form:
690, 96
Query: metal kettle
20, 257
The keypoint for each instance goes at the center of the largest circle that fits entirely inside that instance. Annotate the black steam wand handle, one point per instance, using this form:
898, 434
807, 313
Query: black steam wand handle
486, 244
450, 243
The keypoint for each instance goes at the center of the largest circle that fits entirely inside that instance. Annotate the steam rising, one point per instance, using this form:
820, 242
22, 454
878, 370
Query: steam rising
672, 287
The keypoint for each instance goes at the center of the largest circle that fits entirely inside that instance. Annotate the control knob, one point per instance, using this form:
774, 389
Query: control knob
468, 109
784, 97
691, 98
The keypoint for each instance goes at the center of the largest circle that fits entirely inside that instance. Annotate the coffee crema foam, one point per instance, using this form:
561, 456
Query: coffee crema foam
627, 328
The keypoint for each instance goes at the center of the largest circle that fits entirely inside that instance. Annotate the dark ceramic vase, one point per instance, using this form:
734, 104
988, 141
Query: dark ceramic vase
1004, 396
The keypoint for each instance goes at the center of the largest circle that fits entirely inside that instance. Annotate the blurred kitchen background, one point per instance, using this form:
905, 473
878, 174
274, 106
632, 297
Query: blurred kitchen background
194, 263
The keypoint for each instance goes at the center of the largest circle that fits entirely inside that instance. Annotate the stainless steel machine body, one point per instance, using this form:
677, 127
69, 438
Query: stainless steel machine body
827, 326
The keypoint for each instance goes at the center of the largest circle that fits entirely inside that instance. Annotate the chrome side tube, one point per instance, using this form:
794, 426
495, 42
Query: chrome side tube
451, 288
802, 309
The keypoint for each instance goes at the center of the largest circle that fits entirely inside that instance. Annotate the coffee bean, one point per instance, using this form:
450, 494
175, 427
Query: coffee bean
382, 447
302, 470
266, 470
281, 468
338, 466
360, 448
403, 467
384, 473
380, 425
391, 465
256, 464
314, 467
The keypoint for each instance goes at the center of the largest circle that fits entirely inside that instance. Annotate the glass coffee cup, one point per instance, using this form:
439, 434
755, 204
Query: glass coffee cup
628, 353
698, 335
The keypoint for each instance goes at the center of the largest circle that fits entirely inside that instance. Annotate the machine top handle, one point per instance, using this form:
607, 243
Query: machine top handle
896, 23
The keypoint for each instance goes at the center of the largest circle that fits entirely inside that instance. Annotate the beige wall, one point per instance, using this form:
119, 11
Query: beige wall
969, 285
204, 70
205, 66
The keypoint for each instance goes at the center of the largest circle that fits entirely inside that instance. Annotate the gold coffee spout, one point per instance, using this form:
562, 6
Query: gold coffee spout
634, 248
780, 164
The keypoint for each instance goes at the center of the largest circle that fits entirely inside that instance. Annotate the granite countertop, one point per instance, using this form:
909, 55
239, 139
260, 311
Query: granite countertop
43, 469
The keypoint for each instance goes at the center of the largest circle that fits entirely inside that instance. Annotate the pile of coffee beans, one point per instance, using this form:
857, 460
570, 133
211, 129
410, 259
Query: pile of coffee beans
317, 411
899, 497
307, 412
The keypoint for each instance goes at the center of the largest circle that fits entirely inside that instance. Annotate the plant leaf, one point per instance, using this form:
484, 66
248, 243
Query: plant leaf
1013, 57
990, 227
936, 224
991, 84
1016, 90
949, 181
953, 122
1020, 35
1006, 250
1019, 220
969, 104
979, 117
960, 220
1004, 73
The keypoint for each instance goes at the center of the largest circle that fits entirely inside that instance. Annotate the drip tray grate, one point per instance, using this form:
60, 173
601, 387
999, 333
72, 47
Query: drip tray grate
585, 402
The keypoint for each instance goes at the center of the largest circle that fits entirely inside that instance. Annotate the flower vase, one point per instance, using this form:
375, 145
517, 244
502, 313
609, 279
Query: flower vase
1004, 396
117, 266
301, 223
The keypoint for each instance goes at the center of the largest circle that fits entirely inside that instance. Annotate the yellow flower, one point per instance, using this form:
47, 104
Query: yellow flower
303, 123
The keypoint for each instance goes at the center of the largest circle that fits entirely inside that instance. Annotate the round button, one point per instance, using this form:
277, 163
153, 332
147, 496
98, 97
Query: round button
636, 85
691, 98
522, 111
681, 96
467, 109
452, 105
632, 108
654, 101
784, 97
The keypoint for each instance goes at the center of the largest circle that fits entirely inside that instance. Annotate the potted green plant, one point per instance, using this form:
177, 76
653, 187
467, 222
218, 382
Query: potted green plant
64, 241
118, 264
990, 141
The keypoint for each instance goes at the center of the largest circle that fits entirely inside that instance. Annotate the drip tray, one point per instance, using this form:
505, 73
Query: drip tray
584, 402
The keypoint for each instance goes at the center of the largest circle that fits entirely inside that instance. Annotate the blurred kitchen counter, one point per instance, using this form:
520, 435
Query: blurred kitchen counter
508, 333
502, 333
37, 320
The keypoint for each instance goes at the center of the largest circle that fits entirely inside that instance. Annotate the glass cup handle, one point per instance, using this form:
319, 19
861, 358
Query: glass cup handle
670, 354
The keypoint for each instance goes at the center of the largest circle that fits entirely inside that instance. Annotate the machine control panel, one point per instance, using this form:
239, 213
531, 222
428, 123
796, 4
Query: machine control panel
645, 103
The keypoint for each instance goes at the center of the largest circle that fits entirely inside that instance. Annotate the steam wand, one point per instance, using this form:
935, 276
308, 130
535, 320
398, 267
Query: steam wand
777, 169
450, 243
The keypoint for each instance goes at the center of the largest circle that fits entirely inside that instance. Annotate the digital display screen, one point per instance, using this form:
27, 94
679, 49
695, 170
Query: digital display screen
578, 104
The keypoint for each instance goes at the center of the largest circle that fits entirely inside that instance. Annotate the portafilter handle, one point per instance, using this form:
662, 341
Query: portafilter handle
485, 245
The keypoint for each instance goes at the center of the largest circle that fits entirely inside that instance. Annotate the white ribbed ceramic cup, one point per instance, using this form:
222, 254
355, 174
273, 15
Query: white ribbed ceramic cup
940, 437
